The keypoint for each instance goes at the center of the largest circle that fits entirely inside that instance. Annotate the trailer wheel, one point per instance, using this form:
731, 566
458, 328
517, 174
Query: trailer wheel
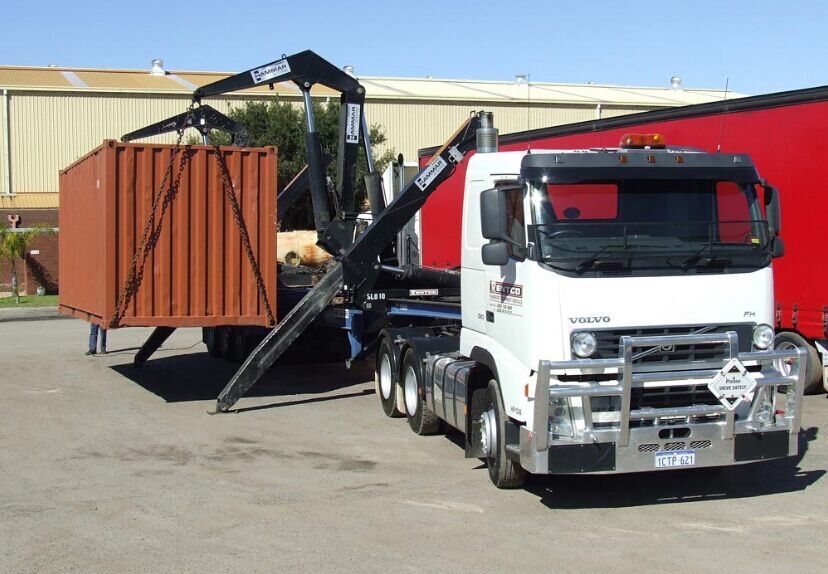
222, 341
421, 419
385, 384
208, 335
236, 345
787, 340
504, 472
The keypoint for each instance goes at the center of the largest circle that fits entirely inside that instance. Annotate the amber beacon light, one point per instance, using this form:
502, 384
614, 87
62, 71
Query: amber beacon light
642, 141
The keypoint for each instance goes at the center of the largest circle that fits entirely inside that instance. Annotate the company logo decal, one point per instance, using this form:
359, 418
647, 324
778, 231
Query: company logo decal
352, 124
270, 71
590, 319
505, 298
430, 173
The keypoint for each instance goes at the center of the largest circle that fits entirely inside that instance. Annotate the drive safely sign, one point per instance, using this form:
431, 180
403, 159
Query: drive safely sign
732, 384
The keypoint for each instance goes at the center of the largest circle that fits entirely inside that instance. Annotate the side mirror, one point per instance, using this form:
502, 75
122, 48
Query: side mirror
493, 214
772, 209
777, 247
495, 253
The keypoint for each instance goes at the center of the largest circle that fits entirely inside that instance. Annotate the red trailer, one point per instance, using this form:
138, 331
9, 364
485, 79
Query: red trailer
784, 133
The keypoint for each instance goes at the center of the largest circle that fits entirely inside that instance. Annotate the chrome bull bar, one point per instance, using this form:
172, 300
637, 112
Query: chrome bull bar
628, 378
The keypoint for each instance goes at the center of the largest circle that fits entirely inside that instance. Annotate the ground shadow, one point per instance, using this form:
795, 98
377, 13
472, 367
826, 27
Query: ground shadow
664, 487
199, 377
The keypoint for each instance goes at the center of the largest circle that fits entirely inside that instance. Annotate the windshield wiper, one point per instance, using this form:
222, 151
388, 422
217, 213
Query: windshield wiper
595, 262
701, 260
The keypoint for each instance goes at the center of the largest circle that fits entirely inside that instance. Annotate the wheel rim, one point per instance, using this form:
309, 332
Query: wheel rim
784, 366
411, 398
488, 432
385, 376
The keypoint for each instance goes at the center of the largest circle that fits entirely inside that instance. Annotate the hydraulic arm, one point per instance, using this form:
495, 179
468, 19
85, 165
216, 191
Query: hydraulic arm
202, 118
358, 267
307, 69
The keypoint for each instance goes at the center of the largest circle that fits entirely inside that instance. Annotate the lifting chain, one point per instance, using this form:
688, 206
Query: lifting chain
230, 193
150, 236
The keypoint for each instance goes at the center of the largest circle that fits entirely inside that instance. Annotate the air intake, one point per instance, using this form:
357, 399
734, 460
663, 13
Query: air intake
486, 134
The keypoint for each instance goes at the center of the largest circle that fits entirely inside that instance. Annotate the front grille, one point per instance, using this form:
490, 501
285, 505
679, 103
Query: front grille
654, 447
667, 397
608, 342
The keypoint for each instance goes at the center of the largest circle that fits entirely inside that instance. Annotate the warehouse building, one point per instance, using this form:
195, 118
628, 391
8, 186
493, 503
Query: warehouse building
51, 116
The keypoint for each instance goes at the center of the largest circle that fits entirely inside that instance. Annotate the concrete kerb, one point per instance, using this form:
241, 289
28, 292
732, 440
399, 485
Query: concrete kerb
30, 314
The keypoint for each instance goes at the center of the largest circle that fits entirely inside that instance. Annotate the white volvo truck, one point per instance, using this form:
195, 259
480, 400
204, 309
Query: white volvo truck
615, 316
612, 313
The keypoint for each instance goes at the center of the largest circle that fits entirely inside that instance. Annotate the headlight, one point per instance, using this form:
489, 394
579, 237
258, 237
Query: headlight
762, 336
584, 344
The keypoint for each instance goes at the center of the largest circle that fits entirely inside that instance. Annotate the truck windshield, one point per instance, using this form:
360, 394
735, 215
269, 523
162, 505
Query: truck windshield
649, 224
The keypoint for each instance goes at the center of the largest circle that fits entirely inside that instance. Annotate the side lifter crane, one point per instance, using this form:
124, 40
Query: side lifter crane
358, 263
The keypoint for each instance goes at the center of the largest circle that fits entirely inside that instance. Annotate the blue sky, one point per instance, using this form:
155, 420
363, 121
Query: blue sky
762, 46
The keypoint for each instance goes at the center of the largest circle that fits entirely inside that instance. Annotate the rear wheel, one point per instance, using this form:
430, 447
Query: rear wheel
786, 341
223, 342
421, 419
236, 345
503, 472
385, 384
208, 335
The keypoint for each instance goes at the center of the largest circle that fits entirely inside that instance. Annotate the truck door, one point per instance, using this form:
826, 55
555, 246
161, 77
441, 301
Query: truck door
506, 285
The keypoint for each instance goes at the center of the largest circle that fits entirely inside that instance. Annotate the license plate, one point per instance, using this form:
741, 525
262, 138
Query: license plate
675, 458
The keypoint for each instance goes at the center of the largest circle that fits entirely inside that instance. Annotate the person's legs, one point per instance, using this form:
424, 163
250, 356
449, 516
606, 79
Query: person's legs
103, 340
93, 339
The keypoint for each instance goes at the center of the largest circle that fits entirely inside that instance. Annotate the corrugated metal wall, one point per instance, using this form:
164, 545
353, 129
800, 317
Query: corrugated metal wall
3, 134
50, 130
411, 125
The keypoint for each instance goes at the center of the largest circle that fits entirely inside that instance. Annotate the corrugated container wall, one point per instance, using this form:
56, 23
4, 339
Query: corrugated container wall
197, 273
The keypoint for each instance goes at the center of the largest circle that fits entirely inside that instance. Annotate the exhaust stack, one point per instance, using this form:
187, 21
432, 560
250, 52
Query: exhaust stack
486, 134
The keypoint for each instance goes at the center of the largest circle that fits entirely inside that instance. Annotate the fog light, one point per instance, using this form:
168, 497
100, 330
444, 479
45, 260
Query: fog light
762, 336
584, 344
560, 418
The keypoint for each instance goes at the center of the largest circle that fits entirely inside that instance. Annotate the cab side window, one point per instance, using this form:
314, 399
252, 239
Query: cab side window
515, 221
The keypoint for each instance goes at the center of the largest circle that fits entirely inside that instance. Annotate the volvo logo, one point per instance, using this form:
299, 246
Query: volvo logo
588, 320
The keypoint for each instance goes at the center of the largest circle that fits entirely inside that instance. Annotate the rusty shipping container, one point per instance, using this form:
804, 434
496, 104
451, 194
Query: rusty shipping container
197, 272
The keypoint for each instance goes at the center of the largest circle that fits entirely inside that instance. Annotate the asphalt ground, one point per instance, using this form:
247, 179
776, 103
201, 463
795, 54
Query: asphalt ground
109, 468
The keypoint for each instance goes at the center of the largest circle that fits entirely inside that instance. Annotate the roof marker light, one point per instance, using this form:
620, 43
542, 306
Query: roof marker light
642, 141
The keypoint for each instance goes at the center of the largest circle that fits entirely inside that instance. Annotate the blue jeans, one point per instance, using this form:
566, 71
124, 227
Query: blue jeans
93, 337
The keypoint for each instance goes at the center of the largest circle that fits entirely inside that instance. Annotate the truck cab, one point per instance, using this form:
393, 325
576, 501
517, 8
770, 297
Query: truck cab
623, 300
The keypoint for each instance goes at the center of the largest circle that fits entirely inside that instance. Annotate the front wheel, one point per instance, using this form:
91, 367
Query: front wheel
504, 472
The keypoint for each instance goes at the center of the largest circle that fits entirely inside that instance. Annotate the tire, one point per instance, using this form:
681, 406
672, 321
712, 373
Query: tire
421, 419
222, 341
236, 345
813, 364
503, 472
208, 335
384, 379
